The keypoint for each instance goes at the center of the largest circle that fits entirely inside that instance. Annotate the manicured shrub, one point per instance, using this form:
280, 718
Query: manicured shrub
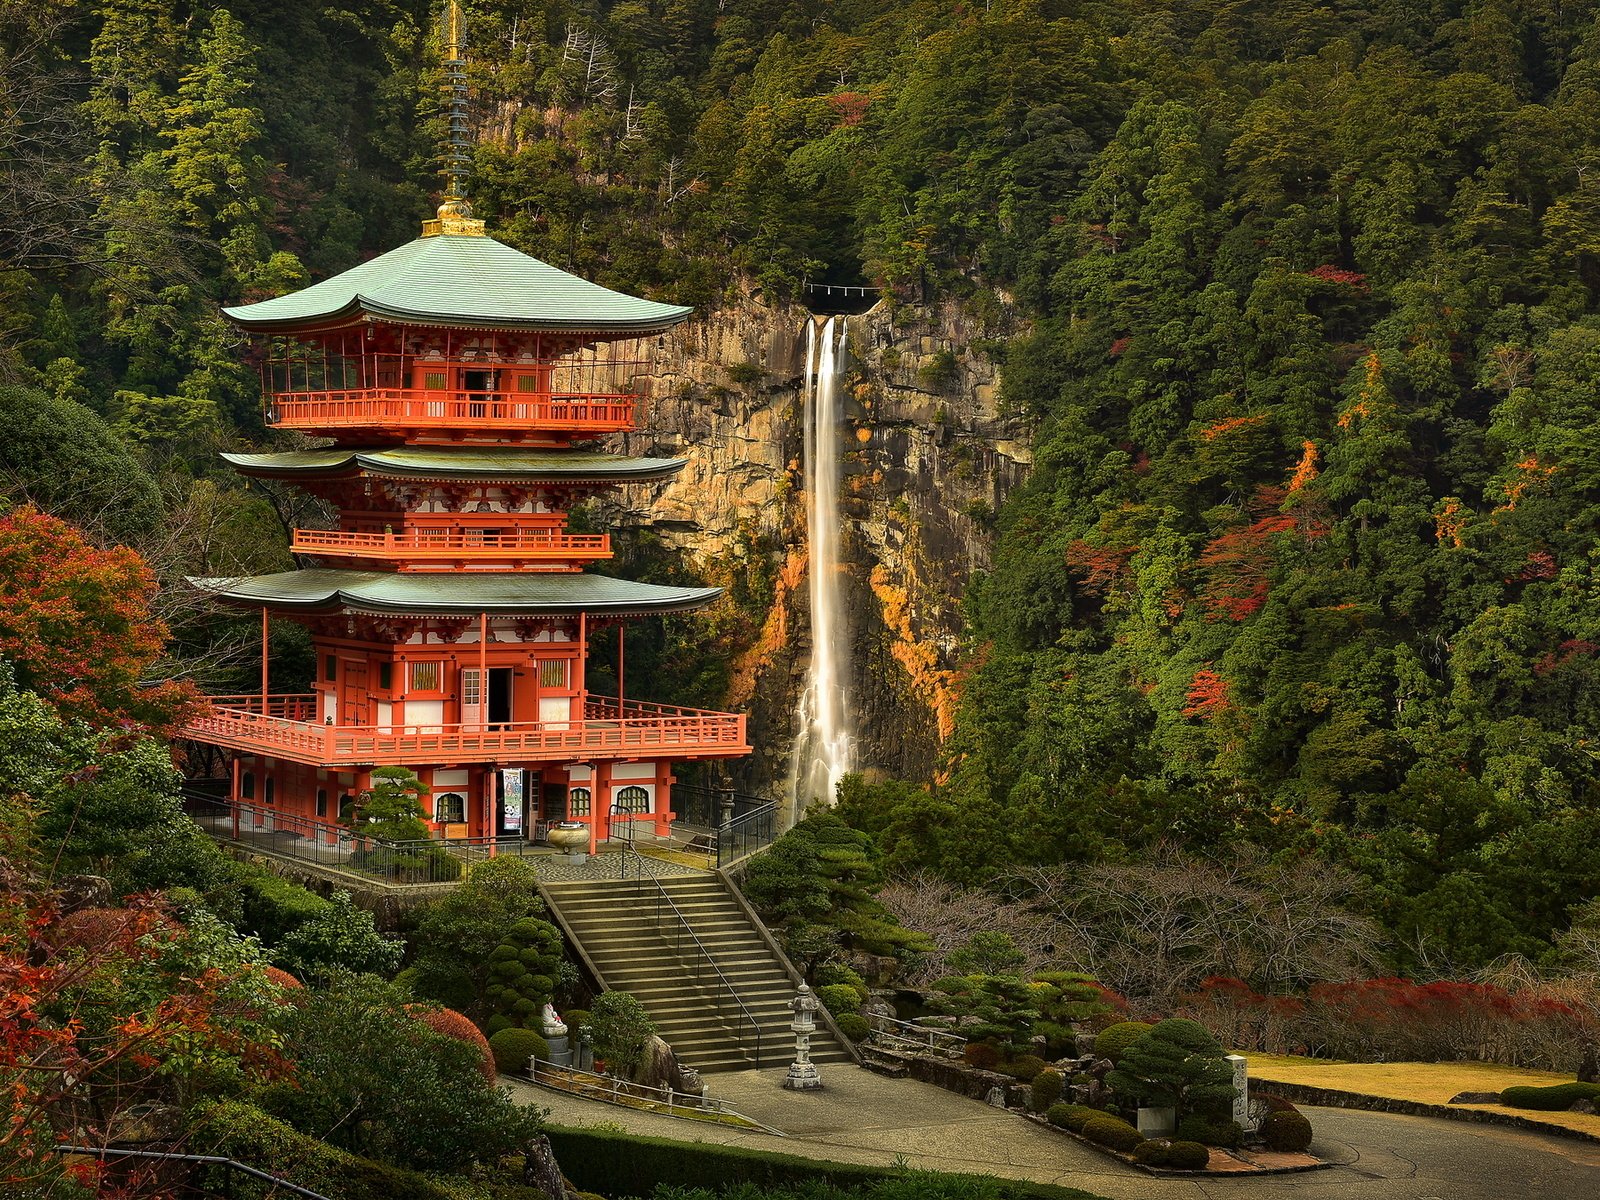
1112, 1132
1286, 1131
1150, 1153
1023, 1067
1176, 1063
1047, 1085
1071, 1116
522, 972
575, 1019
981, 1055
1114, 1039
512, 1048
1197, 1128
839, 998
1555, 1098
1184, 1156
455, 1025
837, 974
272, 907
854, 1026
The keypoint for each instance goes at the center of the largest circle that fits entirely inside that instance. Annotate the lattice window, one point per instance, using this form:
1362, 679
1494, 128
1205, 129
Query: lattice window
578, 802
424, 676
633, 799
553, 672
450, 808
527, 383
434, 381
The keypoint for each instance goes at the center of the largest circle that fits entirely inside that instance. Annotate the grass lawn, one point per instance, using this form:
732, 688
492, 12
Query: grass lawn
1429, 1083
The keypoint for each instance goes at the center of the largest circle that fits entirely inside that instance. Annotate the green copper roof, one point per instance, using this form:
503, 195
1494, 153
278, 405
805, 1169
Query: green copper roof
449, 462
475, 282
326, 589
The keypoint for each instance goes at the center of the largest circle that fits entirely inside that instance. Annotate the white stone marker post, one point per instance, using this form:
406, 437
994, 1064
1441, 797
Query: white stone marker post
802, 1075
1241, 1090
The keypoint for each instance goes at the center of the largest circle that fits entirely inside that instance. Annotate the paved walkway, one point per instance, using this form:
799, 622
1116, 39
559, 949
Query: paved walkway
867, 1118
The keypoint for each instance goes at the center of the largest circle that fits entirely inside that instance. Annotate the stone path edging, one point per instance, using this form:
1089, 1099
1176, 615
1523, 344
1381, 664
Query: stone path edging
1304, 1093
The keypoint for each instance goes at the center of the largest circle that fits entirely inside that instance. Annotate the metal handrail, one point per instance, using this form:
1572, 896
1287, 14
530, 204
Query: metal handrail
932, 1033
646, 871
209, 1160
695, 1103
735, 830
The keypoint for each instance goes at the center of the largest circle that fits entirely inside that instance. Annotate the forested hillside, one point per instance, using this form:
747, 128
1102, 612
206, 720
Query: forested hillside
1309, 556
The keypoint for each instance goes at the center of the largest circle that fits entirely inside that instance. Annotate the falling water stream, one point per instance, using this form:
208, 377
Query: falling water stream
822, 744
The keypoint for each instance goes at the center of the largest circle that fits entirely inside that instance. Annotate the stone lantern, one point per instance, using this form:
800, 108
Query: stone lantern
802, 1074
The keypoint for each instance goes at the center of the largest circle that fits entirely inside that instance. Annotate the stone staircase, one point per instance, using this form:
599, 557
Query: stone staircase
615, 925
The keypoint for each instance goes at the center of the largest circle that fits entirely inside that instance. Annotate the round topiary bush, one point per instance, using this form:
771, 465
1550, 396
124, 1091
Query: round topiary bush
1286, 1131
830, 974
1185, 1156
1274, 1103
839, 998
456, 1025
1150, 1153
981, 1055
854, 1026
576, 1019
1023, 1067
1047, 1086
1114, 1039
513, 1047
1112, 1132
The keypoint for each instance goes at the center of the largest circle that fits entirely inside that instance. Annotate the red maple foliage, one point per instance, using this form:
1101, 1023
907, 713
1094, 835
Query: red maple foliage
77, 627
851, 106
1554, 660
1103, 568
1208, 695
1329, 273
450, 1023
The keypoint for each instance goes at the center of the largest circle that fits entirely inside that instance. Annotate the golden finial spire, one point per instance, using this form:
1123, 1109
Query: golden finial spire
455, 214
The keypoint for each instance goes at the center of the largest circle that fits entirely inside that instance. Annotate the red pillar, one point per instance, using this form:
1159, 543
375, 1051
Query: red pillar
263, 661
234, 796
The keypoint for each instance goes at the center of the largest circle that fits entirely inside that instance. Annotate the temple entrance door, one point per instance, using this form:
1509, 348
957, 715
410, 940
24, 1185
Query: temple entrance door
353, 698
499, 707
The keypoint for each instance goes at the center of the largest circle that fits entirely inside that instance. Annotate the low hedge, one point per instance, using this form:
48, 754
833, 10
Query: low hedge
1286, 1131
271, 906
839, 998
512, 1048
1113, 1132
1555, 1098
619, 1164
1177, 1156
1071, 1116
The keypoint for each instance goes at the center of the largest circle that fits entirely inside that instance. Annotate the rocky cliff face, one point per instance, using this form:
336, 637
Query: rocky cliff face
929, 457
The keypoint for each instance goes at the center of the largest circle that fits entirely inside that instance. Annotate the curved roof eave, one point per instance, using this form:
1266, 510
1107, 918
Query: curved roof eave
488, 465
330, 589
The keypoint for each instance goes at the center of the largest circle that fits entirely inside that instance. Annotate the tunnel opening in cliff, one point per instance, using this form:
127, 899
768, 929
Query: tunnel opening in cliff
840, 299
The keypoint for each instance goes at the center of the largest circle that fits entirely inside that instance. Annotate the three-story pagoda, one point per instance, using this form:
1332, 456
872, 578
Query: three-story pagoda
463, 385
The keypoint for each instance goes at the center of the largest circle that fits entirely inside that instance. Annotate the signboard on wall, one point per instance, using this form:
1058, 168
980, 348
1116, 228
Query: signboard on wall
511, 799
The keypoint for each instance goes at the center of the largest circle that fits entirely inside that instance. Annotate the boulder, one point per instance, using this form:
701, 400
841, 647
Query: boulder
1475, 1098
658, 1067
1584, 1106
879, 1015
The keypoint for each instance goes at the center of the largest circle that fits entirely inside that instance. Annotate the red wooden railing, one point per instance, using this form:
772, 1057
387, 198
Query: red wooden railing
454, 545
416, 408
609, 728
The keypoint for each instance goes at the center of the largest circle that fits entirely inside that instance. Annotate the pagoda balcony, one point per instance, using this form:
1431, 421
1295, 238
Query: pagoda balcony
450, 549
418, 410
286, 727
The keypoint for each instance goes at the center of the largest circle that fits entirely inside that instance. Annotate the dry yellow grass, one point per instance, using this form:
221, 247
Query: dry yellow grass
1428, 1083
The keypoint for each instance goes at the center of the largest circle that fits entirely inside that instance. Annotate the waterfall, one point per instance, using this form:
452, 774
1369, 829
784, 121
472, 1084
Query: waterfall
822, 744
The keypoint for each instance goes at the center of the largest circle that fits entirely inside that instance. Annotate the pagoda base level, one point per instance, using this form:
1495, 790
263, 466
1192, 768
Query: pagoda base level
478, 802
